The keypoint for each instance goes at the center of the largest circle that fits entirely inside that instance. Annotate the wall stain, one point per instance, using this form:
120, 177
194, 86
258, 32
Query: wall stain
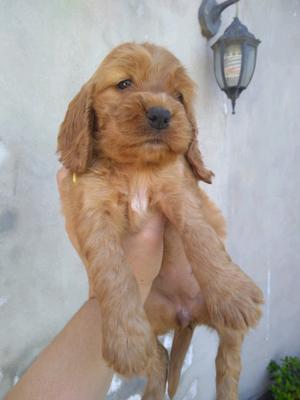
8, 221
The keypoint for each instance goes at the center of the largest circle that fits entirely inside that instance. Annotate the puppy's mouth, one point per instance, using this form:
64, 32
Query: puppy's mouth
154, 141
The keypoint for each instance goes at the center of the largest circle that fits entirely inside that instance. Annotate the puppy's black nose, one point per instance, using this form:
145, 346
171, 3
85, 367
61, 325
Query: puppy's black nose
158, 117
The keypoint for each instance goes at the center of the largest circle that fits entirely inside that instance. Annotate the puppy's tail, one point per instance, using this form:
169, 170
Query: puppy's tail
181, 342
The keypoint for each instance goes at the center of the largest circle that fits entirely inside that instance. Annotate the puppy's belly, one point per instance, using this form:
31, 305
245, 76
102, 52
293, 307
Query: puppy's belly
168, 308
175, 299
175, 291
182, 296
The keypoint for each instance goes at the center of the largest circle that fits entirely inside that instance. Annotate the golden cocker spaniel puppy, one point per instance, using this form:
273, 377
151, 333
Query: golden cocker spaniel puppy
130, 136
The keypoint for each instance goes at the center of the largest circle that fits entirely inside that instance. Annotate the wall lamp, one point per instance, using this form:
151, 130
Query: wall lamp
234, 52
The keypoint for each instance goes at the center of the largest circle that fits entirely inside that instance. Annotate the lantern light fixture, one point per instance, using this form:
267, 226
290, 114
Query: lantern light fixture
234, 52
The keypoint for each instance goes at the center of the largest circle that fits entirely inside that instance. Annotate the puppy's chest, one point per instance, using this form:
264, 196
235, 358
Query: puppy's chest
139, 200
139, 204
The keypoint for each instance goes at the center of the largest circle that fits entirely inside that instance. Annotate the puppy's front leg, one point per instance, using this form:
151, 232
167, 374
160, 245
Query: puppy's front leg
232, 298
128, 341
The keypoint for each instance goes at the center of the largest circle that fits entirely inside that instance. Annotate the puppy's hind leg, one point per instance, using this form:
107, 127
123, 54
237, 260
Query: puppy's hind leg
181, 342
228, 364
157, 372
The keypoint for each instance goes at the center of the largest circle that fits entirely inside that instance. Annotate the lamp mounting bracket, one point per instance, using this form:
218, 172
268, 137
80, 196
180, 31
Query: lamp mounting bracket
209, 16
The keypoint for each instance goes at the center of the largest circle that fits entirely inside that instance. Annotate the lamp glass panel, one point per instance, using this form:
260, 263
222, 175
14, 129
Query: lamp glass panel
232, 63
217, 66
249, 65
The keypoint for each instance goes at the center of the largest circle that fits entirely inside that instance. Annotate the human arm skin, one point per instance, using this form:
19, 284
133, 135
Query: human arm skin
71, 367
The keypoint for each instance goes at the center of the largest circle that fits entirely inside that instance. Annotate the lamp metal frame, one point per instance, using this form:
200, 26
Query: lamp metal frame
236, 33
209, 16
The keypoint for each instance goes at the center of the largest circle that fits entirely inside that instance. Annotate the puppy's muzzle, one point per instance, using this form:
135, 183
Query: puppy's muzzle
158, 117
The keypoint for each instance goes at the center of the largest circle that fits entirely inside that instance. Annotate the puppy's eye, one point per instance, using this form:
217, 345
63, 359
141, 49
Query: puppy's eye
180, 97
124, 84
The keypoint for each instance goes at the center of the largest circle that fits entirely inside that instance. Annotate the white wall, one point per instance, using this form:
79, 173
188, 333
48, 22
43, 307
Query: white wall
48, 49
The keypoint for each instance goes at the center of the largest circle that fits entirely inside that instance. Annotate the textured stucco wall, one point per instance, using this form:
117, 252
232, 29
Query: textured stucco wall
48, 49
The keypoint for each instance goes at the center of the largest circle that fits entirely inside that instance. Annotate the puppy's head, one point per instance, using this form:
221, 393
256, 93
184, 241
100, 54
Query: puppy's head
136, 109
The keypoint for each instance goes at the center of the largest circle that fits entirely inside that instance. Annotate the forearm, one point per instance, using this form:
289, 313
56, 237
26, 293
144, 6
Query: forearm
71, 367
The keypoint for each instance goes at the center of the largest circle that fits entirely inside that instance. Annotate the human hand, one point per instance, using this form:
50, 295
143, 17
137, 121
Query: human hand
143, 250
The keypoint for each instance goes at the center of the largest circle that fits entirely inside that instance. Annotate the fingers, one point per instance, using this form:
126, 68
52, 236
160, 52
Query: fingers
92, 292
62, 174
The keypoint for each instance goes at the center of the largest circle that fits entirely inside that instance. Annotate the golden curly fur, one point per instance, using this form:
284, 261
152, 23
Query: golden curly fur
126, 169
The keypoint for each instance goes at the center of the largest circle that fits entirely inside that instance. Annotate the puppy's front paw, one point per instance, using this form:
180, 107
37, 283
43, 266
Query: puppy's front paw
237, 303
128, 347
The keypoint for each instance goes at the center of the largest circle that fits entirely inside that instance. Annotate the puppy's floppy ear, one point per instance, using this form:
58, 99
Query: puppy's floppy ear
75, 138
194, 157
